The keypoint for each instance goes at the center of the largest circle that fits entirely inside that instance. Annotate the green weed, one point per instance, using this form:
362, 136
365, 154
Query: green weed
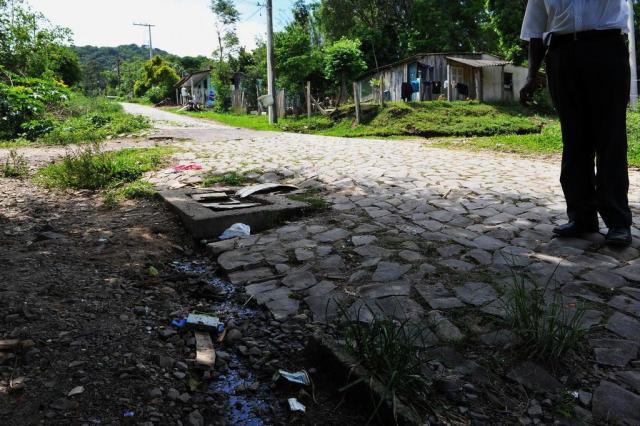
16, 165
232, 178
390, 350
91, 168
315, 202
136, 190
547, 326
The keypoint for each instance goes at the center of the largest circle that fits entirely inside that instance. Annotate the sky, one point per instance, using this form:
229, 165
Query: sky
182, 27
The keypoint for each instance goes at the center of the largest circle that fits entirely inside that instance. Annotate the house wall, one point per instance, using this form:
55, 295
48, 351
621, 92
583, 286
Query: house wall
519, 79
492, 84
396, 75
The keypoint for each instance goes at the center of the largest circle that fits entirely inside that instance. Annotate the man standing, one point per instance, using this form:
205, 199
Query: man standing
587, 64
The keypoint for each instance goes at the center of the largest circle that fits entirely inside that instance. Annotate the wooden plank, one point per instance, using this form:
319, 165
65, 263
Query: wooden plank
205, 353
308, 99
356, 99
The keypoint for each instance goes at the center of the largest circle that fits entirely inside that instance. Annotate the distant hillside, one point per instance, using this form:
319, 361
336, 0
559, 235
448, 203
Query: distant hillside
106, 58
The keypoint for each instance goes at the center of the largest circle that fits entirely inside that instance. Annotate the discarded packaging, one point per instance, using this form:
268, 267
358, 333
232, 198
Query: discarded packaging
129, 414
186, 167
295, 405
236, 230
206, 322
205, 353
179, 323
265, 188
299, 377
76, 391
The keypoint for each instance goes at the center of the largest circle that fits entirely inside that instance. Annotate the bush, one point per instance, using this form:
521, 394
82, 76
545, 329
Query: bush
15, 166
91, 168
34, 129
156, 94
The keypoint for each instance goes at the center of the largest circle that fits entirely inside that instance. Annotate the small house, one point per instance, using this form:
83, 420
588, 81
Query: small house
451, 76
195, 87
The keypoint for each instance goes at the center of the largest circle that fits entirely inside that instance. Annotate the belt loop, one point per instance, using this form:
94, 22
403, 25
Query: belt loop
575, 36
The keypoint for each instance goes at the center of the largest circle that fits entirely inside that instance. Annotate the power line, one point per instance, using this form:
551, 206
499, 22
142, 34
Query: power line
150, 41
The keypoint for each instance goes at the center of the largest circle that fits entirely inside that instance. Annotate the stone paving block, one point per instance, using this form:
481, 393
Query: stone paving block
283, 308
631, 291
612, 404
276, 293
239, 259
331, 236
630, 272
496, 308
299, 280
449, 250
581, 290
303, 254
376, 291
328, 306
625, 326
534, 378
410, 256
614, 352
401, 308
499, 338
323, 287
364, 310
363, 240
488, 243
626, 305
457, 265
605, 279
254, 289
631, 379
475, 293
250, 276
481, 257
373, 251
390, 271
443, 328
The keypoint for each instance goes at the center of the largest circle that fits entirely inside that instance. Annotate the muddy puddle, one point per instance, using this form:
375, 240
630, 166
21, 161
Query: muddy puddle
242, 391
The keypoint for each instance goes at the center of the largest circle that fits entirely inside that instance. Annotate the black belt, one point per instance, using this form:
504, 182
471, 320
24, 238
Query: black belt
556, 39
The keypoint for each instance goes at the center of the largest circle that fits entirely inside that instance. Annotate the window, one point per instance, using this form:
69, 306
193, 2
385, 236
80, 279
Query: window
508, 81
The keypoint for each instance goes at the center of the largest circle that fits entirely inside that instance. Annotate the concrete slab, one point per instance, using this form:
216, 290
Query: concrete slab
205, 223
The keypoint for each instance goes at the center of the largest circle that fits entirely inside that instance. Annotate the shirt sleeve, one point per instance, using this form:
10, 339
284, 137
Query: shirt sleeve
535, 20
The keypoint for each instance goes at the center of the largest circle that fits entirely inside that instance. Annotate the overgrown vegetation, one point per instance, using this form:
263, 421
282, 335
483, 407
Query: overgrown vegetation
15, 166
390, 350
426, 119
546, 324
311, 197
92, 168
232, 178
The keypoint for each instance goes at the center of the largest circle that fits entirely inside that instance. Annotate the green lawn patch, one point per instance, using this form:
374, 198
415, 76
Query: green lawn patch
424, 119
548, 141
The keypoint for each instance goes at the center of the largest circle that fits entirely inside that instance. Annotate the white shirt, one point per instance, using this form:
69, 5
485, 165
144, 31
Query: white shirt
568, 16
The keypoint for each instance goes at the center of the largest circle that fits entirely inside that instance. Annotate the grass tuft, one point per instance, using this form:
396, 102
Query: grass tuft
16, 166
91, 168
390, 350
547, 326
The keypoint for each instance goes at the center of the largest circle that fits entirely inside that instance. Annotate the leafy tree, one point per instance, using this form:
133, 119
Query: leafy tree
343, 63
227, 16
158, 75
31, 46
505, 19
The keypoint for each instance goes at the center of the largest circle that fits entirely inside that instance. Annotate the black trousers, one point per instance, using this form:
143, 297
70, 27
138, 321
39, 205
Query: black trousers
589, 83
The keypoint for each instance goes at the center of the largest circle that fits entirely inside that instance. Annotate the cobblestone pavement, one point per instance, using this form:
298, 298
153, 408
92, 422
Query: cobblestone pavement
432, 235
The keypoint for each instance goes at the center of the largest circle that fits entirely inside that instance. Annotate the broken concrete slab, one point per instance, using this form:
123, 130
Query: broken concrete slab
612, 404
614, 352
239, 259
251, 276
534, 378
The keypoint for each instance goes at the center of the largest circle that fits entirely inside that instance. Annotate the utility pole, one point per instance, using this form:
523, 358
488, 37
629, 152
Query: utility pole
150, 42
632, 58
271, 76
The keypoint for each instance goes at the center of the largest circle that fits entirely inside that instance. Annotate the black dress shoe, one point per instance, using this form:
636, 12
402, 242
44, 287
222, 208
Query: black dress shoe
619, 237
573, 229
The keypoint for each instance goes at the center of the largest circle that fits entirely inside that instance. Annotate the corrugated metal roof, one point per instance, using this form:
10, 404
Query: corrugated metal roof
479, 63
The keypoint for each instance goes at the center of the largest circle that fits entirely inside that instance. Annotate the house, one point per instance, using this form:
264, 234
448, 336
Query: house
452, 76
195, 87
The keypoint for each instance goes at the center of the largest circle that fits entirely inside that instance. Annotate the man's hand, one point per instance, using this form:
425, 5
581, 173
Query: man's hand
527, 92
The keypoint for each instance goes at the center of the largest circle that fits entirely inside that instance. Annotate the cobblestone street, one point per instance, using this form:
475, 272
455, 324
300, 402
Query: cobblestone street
428, 234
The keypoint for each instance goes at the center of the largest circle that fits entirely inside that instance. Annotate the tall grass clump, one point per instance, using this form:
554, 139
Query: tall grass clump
392, 351
15, 166
91, 168
546, 324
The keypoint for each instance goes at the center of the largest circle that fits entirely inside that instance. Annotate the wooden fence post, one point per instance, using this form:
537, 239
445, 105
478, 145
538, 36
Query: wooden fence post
308, 99
356, 99
382, 90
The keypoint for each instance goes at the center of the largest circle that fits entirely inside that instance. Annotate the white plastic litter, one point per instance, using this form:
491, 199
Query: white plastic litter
236, 230
295, 405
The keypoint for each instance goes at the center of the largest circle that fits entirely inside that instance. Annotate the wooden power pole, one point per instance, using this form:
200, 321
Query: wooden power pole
150, 41
271, 76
